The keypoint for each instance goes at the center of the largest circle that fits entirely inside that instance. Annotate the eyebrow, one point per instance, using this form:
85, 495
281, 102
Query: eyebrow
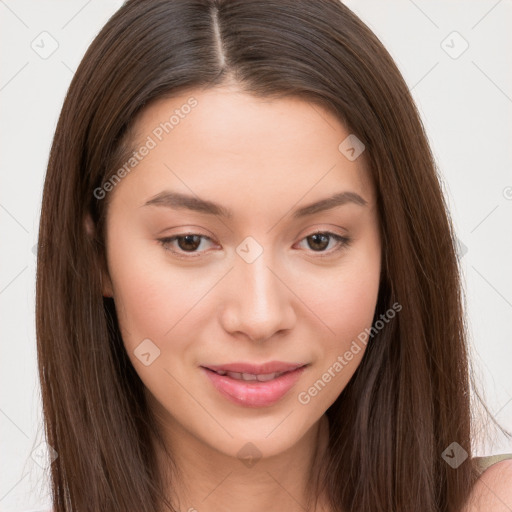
177, 200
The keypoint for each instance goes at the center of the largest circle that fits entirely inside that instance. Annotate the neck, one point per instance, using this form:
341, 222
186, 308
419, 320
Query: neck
206, 480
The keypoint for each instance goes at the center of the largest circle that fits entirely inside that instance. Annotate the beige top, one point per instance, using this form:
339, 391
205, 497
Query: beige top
483, 463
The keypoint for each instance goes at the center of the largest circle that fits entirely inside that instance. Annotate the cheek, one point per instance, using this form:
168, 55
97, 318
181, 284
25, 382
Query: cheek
349, 316
346, 304
345, 299
150, 296
354, 306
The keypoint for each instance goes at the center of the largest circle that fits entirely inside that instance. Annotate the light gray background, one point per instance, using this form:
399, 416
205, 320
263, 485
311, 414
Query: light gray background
465, 100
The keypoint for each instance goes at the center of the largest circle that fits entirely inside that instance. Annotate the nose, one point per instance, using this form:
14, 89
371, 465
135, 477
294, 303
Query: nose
258, 302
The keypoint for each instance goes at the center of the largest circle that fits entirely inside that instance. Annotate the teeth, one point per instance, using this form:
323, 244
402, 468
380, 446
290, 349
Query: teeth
250, 376
268, 376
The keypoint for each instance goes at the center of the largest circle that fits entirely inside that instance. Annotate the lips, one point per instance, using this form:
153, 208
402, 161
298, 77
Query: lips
254, 385
256, 369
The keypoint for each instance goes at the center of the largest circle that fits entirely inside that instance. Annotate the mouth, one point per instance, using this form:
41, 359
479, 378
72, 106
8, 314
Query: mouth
271, 367
258, 387
247, 377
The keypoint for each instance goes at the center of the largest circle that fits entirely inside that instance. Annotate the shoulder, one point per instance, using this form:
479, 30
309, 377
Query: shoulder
492, 490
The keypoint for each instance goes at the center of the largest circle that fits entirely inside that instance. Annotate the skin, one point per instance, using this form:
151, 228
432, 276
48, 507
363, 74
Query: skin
261, 159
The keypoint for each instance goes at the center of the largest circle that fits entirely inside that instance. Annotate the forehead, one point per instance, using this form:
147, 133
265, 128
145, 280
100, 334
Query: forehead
221, 140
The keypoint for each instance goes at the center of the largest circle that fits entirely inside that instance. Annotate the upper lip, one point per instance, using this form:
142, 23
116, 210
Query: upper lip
256, 369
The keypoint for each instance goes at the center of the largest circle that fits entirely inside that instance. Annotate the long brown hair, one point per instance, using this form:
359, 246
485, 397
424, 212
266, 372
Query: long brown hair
408, 400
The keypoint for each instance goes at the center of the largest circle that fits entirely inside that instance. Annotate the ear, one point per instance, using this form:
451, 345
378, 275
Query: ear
106, 283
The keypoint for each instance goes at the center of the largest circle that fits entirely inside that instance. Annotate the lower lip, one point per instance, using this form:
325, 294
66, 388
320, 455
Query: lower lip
254, 393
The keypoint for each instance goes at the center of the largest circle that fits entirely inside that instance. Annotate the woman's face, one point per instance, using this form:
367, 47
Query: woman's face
246, 280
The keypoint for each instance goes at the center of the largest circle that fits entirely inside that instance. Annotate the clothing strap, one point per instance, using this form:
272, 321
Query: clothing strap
483, 463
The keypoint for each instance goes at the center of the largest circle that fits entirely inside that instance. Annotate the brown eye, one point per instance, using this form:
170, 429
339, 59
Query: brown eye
189, 242
321, 240
318, 241
182, 244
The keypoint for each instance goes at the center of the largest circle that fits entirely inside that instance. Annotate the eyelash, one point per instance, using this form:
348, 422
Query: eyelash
343, 242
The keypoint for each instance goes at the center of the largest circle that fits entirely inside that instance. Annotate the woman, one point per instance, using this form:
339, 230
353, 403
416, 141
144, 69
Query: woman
247, 292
